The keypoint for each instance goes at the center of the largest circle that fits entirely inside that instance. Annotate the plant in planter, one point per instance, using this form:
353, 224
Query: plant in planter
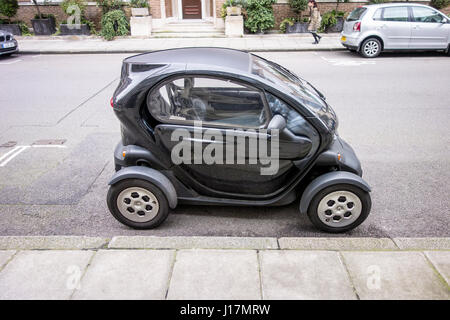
8, 8
110, 5
331, 21
233, 8
139, 8
77, 24
299, 25
114, 23
259, 15
43, 24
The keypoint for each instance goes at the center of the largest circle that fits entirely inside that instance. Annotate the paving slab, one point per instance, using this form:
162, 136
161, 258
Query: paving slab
5, 255
135, 242
127, 274
43, 274
394, 275
441, 261
215, 274
304, 275
423, 243
337, 243
51, 242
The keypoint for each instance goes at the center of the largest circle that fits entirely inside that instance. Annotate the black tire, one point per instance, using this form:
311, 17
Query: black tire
367, 45
363, 196
114, 192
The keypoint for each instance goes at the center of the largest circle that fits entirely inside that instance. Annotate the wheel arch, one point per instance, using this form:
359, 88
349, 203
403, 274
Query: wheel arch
151, 175
371, 36
329, 179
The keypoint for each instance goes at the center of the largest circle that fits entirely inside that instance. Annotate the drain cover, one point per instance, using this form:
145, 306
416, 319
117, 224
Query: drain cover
49, 141
8, 144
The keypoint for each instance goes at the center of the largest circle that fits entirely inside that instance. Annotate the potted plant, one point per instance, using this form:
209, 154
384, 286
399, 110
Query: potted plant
114, 23
139, 8
77, 24
299, 25
43, 24
259, 15
8, 8
331, 21
339, 17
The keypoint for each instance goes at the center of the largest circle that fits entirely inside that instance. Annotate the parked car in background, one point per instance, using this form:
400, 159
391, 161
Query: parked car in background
372, 29
8, 44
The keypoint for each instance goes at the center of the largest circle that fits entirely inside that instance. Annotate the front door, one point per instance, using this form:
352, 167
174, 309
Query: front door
228, 144
192, 9
430, 29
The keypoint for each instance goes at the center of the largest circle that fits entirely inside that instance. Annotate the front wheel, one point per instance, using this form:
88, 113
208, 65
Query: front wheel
339, 208
137, 203
370, 48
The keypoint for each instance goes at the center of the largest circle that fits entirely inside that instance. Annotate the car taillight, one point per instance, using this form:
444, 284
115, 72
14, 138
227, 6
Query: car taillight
112, 102
357, 26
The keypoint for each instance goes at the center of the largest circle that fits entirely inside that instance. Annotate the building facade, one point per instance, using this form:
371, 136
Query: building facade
169, 12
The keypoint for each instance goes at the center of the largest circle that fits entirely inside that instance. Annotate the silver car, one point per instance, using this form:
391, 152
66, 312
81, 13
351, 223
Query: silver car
8, 44
372, 29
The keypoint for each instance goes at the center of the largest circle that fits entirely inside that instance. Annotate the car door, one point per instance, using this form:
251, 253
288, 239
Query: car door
215, 130
430, 29
395, 27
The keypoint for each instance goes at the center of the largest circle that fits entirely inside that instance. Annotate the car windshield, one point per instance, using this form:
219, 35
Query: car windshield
301, 89
356, 14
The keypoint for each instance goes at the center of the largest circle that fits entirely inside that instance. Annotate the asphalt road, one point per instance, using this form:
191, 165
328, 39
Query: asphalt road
394, 111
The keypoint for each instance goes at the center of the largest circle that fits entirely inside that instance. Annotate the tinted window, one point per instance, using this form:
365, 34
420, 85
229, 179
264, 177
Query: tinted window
356, 14
395, 14
213, 101
421, 14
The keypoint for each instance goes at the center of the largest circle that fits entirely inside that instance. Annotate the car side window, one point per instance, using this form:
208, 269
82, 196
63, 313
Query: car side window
218, 102
294, 121
421, 14
377, 15
395, 14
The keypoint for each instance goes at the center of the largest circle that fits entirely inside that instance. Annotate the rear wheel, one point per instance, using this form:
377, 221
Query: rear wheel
137, 203
339, 208
370, 48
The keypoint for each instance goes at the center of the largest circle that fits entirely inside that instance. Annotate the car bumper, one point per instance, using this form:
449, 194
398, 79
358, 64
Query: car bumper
349, 41
9, 50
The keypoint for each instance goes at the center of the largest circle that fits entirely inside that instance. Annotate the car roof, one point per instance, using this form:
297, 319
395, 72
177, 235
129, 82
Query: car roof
218, 59
395, 4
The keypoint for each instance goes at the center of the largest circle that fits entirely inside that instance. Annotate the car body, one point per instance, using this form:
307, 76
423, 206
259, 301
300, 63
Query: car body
375, 28
8, 44
233, 93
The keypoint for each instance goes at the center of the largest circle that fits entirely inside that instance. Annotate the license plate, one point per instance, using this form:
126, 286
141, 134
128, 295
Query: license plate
7, 45
343, 39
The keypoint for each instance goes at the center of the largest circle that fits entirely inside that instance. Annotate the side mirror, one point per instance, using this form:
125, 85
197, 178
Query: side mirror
444, 20
277, 122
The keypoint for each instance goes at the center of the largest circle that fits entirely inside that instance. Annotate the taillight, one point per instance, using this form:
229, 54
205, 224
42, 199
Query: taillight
112, 102
357, 26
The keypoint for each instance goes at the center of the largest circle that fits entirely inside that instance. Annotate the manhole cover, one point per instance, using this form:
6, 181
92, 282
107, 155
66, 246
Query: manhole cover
8, 144
49, 142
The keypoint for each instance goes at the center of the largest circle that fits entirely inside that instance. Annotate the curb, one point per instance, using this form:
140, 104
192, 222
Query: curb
145, 51
250, 243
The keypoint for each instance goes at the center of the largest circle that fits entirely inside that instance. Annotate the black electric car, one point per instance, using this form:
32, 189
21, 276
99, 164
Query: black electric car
215, 126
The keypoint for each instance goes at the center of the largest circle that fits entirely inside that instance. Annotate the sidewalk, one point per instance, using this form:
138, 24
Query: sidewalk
95, 44
224, 268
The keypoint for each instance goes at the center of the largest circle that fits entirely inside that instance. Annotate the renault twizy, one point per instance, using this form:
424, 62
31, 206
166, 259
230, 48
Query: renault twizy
214, 126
